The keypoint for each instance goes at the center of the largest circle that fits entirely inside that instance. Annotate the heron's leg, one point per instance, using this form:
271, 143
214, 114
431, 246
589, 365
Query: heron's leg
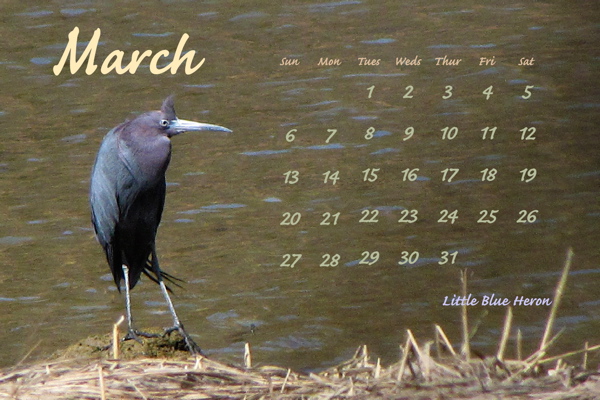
177, 325
127, 298
132, 333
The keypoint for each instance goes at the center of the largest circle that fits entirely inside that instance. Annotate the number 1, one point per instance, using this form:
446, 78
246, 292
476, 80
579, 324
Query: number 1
370, 89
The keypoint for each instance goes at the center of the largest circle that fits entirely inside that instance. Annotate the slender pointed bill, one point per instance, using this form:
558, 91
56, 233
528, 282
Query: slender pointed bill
183, 125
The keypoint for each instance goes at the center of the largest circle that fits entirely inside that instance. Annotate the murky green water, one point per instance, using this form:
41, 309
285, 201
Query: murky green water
227, 195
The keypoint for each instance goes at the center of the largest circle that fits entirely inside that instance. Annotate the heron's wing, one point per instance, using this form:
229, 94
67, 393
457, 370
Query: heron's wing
126, 206
162, 191
103, 190
112, 179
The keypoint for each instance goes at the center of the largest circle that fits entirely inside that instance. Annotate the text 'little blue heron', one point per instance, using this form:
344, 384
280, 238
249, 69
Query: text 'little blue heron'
127, 196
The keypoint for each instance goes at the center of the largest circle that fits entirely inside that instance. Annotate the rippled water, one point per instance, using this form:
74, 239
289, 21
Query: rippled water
227, 195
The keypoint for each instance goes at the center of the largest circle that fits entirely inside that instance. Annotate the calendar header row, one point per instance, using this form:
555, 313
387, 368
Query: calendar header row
444, 61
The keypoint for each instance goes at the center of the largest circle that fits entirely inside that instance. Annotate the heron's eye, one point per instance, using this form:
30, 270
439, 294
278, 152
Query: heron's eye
164, 123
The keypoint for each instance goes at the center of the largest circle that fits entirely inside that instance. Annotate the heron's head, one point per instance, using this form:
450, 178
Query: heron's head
170, 125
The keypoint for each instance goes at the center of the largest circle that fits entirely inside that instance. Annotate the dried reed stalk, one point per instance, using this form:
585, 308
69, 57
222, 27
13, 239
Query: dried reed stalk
115, 338
439, 332
465, 349
519, 344
505, 333
247, 356
585, 351
405, 350
101, 381
560, 287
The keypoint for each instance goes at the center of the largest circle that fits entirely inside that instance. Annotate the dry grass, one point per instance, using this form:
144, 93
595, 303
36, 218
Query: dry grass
417, 375
201, 378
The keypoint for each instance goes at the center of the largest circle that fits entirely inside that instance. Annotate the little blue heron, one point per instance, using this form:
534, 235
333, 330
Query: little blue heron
127, 196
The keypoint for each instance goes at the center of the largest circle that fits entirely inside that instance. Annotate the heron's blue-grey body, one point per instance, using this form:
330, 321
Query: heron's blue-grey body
127, 196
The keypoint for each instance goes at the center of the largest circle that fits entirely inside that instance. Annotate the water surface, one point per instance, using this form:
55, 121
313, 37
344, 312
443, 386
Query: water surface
227, 195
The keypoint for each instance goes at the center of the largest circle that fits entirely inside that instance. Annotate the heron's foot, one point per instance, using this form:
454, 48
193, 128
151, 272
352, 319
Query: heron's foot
189, 342
107, 347
135, 335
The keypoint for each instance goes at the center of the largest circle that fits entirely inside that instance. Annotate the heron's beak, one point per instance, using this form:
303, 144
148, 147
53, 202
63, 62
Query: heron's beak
183, 125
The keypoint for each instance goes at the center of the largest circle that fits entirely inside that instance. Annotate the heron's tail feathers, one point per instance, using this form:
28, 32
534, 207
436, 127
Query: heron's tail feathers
152, 275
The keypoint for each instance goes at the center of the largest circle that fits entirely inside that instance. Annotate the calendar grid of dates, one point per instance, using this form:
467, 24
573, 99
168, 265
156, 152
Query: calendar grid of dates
431, 167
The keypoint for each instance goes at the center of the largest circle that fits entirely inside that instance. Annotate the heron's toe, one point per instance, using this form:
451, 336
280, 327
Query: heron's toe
192, 347
134, 334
